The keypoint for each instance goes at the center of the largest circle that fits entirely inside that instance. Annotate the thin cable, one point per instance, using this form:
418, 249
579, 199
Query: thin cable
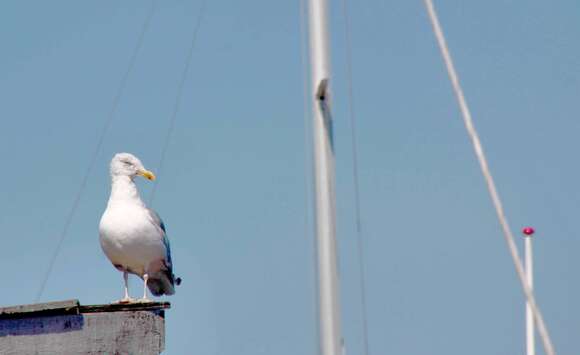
178, 98
309, 229
542, 329
95, 154
355, 175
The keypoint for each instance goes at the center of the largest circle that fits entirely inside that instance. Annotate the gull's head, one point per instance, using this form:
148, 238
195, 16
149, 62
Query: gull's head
125, 164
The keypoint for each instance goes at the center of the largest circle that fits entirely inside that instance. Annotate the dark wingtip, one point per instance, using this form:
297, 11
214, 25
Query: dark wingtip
178, 281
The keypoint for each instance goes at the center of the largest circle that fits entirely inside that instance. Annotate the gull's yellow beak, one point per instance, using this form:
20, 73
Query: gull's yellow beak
146, 174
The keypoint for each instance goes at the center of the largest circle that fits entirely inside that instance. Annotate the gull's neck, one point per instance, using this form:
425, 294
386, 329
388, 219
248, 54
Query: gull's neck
124, 190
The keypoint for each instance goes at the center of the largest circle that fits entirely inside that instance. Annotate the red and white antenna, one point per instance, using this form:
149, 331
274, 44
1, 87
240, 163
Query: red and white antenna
530, 341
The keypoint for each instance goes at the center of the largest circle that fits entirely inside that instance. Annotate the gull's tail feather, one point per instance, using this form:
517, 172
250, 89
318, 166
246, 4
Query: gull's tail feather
163, 283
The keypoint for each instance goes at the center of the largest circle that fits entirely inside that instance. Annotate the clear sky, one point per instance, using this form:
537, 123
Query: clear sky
233, 191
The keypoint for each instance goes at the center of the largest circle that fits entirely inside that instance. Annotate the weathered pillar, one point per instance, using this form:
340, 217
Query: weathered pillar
67, 328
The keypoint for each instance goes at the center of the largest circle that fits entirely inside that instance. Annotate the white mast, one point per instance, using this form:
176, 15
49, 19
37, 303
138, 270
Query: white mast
329, 306
530, 340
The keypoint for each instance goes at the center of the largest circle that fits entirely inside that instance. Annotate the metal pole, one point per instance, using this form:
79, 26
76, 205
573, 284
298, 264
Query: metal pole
329, 306
530, 341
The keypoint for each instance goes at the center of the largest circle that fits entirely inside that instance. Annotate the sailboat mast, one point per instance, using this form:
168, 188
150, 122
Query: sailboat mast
530, 326
329, 306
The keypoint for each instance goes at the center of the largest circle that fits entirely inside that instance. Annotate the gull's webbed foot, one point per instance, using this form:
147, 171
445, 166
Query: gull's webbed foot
125, 300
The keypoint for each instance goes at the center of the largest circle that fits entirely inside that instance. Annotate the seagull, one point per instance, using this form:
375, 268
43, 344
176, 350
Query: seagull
132, 235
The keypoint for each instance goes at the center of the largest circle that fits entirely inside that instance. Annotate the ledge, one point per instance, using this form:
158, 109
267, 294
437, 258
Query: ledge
74, 307
67, 327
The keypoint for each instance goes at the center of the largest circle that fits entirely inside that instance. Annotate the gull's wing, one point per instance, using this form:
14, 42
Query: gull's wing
163, 284
156, 219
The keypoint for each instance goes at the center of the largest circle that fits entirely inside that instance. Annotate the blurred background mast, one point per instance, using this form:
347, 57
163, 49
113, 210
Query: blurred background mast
329, 305
530, 326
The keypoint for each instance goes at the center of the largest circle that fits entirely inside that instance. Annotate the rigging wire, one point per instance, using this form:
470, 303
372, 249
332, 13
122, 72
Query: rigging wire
542, 329
355, 175
93, 159
178, 98
308, 166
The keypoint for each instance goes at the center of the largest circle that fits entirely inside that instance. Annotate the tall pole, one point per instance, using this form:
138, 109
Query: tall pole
329, 306
530, 341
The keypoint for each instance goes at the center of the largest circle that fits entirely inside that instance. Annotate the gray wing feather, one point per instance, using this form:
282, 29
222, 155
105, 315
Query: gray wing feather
156, 219
160, 287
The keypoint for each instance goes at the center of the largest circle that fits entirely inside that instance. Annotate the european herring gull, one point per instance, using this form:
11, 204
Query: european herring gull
132, 235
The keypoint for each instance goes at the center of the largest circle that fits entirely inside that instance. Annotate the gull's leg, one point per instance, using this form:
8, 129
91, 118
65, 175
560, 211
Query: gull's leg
126, 299
126, 278
145, 279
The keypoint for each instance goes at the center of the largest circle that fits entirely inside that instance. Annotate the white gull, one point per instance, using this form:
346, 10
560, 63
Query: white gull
133, 236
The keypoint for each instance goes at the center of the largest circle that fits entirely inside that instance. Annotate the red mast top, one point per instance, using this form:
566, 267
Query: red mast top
528, 231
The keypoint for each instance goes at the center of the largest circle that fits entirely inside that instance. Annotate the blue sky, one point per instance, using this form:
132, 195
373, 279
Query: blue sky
233, 191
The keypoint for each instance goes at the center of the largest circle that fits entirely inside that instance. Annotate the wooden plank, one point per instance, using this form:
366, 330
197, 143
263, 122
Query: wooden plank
120, 307
33, 310
73, 307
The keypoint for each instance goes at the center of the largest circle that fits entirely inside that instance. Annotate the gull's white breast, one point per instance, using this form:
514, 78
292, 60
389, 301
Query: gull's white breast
129, 239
